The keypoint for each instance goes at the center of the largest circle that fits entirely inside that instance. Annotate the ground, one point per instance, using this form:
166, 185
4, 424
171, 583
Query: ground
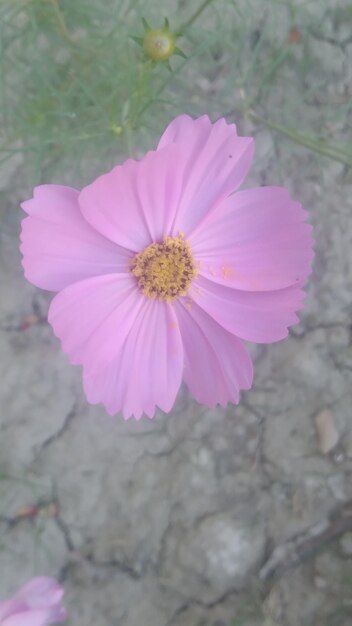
227, 517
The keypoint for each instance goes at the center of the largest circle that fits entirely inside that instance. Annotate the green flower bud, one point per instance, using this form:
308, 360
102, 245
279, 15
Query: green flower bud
159, 45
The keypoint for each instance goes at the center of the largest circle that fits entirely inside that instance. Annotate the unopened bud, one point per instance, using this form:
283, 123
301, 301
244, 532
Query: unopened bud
158, 44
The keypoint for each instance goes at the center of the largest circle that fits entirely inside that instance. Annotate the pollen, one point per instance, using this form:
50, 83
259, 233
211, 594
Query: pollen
165, 271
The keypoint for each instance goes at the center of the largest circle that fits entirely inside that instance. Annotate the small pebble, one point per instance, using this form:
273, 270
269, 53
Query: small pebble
346, 544
326, 431
320, 582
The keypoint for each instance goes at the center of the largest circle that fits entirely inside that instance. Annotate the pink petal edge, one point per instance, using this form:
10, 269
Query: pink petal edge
147, 370
217, 365
58, 246
256, 240
214, 163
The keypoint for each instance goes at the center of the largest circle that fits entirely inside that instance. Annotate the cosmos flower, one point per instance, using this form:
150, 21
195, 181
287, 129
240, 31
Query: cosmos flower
38, 603
163, 267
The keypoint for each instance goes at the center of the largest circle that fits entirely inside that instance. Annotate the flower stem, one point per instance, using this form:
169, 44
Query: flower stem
321, 147
143, 78
195, 15
61, 23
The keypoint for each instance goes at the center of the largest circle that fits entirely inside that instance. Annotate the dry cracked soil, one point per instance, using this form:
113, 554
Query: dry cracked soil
229, 517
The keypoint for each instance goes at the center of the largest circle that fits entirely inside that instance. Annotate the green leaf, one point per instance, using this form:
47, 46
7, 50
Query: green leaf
138, 40
180, 53
146, 26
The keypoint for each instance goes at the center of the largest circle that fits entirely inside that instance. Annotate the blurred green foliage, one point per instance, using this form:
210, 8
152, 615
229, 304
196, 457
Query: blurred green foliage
76, 90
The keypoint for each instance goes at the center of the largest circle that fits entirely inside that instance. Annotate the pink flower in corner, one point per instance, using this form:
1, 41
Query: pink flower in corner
38, 603
162, 270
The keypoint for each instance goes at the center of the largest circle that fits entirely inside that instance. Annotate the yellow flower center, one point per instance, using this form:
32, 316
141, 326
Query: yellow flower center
165, 270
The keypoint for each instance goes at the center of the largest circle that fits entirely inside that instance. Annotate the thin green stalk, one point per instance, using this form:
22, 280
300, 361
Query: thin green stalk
142, 81
61, 23
320, 147
65, 32
195, 15
128, 141
145, 73
164, 84
271, 71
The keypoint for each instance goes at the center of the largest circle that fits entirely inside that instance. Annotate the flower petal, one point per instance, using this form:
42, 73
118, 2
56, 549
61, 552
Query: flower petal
256, 240
40, 592
135, 204
217, 365
59, 247
170, 190
8, 607
258, 316
214, 163
180, 128
38, 603
92, 318
35, 617
147, 370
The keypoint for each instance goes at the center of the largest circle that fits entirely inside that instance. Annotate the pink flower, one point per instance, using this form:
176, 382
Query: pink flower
38, 603
162, 269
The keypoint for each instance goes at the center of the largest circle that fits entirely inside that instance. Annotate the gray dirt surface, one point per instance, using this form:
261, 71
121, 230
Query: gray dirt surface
168, 522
